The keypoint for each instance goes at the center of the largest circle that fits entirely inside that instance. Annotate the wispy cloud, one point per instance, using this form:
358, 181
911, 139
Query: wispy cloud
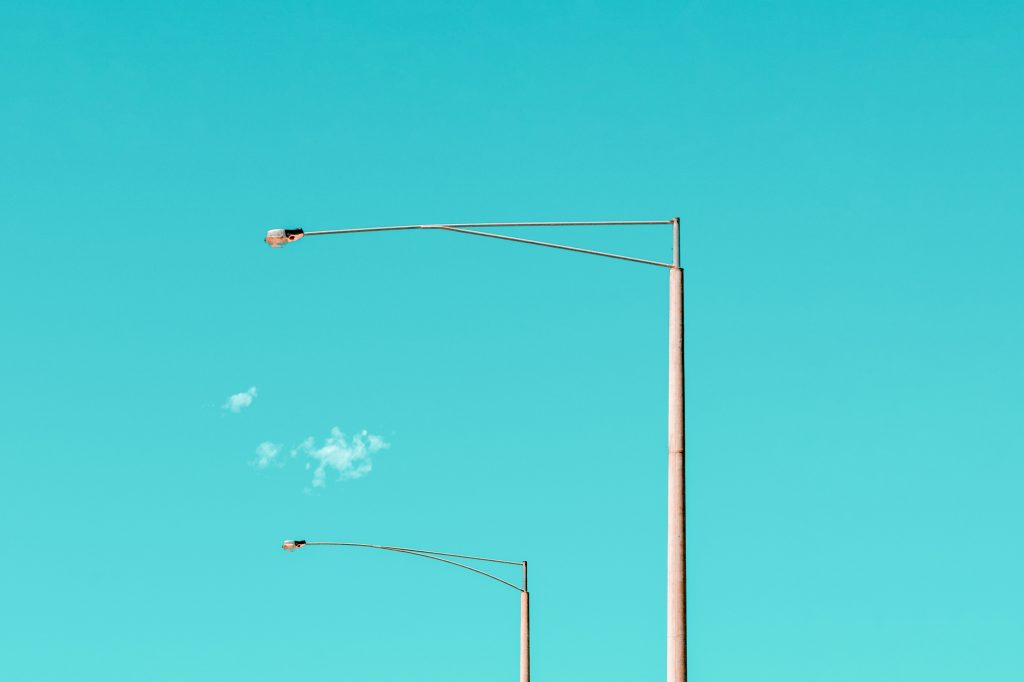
350, 457
240, 401
266, 453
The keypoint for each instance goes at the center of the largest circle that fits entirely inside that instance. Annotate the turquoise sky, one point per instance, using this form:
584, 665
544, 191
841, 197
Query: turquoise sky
849, 178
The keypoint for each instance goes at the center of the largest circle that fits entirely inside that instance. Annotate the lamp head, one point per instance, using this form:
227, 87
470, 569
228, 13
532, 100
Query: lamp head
278, 237
292, 545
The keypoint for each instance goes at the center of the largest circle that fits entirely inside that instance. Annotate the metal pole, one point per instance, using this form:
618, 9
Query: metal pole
676, 479
524, 636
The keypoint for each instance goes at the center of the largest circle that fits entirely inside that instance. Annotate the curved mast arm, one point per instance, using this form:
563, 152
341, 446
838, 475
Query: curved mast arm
466, 228
437, 556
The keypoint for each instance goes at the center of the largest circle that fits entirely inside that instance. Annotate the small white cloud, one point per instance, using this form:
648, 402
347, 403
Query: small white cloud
350, 457
266, 453
240, 401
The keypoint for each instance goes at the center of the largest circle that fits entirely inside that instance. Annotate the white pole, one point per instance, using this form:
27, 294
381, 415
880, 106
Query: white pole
676, 481
524, 636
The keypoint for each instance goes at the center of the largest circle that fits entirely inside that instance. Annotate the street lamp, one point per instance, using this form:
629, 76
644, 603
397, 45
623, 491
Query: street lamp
524, 595
676, 599
278, 238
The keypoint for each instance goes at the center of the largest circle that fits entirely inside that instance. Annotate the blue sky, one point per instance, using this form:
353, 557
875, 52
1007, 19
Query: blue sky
848, 176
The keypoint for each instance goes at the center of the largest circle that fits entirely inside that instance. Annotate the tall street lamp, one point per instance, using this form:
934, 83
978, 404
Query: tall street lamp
676, 599
447, 557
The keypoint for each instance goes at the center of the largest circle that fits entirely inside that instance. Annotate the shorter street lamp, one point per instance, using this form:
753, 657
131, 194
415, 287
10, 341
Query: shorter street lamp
524, 595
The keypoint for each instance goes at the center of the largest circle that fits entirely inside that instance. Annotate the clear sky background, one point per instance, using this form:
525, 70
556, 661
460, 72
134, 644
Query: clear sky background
849, 178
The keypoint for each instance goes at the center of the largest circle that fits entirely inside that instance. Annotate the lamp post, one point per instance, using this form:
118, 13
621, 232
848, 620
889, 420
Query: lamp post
447, 557
676, 598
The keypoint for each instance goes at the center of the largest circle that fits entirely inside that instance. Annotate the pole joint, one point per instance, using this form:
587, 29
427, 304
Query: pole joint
675, 242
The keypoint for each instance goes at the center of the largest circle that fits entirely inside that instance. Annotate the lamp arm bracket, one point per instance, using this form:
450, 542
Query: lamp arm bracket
437, 556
